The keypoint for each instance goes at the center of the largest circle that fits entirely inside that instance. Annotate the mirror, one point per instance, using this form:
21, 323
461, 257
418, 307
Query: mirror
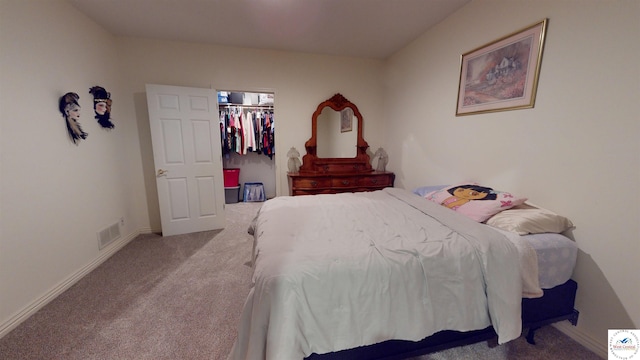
337, 133
336, 144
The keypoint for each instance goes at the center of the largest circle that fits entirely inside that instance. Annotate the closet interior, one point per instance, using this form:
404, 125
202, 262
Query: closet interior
247, 129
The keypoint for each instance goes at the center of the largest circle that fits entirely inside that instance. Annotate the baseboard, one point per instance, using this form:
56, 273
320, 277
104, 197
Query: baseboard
148, 231
595, 345
61, 287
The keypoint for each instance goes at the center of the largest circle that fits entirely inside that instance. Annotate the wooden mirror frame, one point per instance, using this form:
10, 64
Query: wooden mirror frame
312, 164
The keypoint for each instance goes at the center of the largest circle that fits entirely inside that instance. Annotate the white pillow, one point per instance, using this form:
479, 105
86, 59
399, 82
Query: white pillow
424, 190
528, 219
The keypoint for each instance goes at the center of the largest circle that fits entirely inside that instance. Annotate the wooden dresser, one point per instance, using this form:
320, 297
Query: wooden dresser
341, 168
312, 184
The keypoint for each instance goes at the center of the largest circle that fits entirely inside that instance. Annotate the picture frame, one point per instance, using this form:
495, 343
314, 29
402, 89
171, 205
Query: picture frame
503, 74
346, 120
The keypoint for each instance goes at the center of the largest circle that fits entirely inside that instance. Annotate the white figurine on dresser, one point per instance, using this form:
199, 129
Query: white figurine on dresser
294, 160
382, 159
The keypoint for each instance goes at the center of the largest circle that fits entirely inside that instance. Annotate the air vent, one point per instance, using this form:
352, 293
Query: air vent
108, 235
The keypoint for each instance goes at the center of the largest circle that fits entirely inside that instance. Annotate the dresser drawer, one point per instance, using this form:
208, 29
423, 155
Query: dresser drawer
311, 183
375, 181
344, 182
298, 192
337, 183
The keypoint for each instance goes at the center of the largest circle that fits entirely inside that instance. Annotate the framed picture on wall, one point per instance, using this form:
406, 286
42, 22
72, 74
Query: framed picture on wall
346, 120
502, 75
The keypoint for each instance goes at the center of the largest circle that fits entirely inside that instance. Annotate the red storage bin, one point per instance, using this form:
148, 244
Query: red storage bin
231, 177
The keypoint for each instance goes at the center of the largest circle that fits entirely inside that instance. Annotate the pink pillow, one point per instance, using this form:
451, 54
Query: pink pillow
477, 202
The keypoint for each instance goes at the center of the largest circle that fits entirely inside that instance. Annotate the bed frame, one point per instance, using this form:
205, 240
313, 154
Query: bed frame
555, 305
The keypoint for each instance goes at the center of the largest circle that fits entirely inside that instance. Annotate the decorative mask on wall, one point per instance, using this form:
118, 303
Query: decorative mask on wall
70, 109
102, 106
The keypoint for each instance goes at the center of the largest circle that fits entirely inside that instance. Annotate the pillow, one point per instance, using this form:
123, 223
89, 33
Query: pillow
528, 219
477, 202
424, 190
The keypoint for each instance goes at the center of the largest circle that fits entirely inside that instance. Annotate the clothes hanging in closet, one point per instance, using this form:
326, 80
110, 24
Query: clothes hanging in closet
247, 129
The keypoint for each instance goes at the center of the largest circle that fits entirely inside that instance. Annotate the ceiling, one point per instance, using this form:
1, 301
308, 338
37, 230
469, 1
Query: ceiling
362, 28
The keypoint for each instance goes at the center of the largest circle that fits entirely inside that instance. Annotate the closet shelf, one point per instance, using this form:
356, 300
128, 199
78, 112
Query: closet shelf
247, 106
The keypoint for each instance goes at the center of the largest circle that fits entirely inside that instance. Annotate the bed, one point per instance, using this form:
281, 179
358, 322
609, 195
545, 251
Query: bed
389, 274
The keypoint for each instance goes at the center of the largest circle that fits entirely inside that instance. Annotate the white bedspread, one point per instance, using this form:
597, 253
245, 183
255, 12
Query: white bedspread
335, 272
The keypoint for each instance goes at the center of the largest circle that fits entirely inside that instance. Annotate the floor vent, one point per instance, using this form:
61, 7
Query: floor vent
108, 235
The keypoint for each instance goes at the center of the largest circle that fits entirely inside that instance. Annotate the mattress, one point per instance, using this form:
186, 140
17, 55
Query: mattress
405, 258
556, 255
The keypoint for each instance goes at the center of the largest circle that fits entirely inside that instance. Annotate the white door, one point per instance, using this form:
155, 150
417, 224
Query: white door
185, 135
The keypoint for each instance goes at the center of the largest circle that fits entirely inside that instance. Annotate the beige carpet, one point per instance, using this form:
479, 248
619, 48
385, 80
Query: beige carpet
180, 297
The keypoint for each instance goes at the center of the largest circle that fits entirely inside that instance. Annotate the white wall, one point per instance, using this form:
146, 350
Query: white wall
577, 152
300, 82
55, 195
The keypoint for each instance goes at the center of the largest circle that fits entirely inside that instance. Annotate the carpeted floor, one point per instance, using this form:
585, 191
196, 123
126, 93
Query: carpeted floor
180, 297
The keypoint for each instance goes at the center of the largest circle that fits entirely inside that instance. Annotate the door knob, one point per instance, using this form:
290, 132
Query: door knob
162, 172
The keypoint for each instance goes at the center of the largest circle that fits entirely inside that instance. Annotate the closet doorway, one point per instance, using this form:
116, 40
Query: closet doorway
248, 129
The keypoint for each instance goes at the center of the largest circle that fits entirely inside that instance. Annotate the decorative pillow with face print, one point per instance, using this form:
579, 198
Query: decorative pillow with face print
475, 201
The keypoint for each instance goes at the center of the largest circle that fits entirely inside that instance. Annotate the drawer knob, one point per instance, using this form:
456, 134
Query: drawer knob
345, 182
314, 183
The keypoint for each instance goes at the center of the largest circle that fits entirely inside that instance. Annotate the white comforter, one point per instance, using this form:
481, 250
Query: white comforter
335, 272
